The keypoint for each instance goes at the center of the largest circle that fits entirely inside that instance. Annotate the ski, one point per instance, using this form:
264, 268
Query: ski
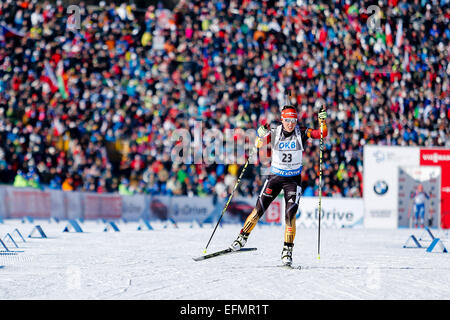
222, 252
292, 267
282, 266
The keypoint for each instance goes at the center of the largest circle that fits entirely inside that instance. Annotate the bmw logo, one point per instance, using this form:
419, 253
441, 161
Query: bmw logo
380, 187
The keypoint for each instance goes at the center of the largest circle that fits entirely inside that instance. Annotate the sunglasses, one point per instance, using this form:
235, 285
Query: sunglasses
290, 120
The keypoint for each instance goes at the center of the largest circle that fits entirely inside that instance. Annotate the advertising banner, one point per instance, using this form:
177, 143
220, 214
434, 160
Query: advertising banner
380, 179
3, 211
73, 205
24, 202
159, 207
336, 212
134, 207
241, 207
275, 212
102, 206
440, 157
57, 204
188, 209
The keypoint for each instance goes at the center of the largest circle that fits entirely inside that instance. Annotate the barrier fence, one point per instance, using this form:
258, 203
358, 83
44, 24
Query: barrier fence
17, 203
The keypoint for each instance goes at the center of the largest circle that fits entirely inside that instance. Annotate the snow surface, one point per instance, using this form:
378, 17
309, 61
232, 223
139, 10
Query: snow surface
354, 264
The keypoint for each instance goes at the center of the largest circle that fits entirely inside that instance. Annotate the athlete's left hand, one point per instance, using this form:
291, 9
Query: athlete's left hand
263, 131
322, 115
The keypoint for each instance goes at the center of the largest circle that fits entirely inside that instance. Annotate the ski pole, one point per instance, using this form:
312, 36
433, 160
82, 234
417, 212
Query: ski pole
320, 185
231, 195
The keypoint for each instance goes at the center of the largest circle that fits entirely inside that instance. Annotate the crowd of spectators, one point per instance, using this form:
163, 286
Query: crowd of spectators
94, 109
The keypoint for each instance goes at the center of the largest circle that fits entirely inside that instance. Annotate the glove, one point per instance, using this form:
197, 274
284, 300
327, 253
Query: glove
322, 115
263, 131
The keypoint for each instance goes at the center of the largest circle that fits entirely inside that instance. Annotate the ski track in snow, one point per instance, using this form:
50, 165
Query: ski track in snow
354, 264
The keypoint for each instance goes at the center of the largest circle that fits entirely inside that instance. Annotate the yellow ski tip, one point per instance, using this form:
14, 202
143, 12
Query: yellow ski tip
318, 257
204, 251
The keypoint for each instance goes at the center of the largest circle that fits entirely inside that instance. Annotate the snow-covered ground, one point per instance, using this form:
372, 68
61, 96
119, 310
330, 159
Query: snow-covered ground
131, 264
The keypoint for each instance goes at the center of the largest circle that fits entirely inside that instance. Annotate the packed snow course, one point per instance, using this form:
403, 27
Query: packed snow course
157, 264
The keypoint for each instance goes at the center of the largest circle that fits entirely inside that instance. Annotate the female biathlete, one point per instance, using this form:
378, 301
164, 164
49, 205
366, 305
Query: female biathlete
287, 143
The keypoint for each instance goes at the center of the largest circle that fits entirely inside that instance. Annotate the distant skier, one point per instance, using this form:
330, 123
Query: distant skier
419, 197
287, 144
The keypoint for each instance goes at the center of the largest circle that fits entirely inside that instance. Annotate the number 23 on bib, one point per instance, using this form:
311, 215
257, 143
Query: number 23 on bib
287, 153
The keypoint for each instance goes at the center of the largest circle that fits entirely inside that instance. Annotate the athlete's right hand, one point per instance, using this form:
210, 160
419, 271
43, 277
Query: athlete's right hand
263, 131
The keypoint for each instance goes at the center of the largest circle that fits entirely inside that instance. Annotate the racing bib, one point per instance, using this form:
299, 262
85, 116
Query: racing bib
287, 153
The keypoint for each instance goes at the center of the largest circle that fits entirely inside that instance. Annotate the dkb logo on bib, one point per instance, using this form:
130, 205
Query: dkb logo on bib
290, 145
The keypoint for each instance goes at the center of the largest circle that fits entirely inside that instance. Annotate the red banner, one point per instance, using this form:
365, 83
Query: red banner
441, 158
31, 203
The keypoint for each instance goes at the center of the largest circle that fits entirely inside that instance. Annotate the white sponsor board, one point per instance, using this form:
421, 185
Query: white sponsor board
73, 207
134, 207
57, 203
188, 209
380, 191
336, 212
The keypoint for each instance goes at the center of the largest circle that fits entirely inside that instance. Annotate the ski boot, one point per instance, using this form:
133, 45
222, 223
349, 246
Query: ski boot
286, 254
240, 241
